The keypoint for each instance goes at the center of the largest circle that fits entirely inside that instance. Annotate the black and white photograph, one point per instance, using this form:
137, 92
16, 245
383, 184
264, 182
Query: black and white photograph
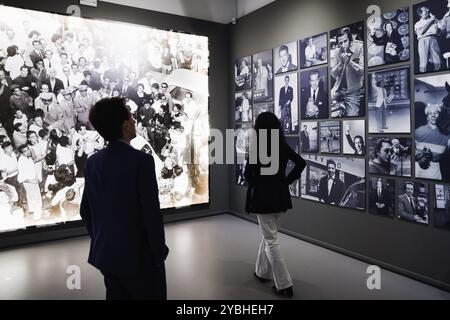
388, 38
294, 187
382, 196
286, 102
314, 102
285, 58
390, 156
243, 74
330, 137
263, 75
441, 212
347, 71
389, 104
353, 137
260, 108
334, 180
412, 202
53, 75
241, 164
431, 36
432, 127
243, 106
309, 135
314, 51
243, 131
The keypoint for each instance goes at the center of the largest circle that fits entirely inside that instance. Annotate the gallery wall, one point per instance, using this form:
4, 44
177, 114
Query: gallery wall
418, 250
218, 46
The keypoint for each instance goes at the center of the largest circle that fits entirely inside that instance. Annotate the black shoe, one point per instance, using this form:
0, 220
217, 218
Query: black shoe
287, 292
260, 278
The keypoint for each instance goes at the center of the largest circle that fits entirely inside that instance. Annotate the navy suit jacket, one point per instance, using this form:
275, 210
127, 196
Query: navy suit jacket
120, 207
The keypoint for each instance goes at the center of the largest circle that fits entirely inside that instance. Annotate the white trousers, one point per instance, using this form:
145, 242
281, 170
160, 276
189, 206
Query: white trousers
34, 199
269, 263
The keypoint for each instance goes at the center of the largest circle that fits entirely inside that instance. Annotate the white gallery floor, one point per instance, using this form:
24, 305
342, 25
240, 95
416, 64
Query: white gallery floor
211, 258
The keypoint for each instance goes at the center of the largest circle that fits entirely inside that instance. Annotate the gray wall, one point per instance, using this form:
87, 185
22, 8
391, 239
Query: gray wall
419, 251
218, 86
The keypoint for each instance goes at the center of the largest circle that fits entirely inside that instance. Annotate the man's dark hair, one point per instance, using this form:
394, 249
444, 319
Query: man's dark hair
332, 162
22, 148
284, 48
64, 141
315, 72
43, 132
378, 145
29, 133
107, 116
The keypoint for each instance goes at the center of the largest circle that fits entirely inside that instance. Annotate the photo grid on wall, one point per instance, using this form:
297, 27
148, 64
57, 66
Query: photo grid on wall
342, 128
54, 68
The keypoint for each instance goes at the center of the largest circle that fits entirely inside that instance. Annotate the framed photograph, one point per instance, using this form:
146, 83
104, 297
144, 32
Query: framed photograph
390, 101
390, 156
243, 138
441, 213
412, 202
388, 38
314, 51
260, 108
330, 137
286, 102
431, 36
294, 188
353, 138
347, 71
314, 94
285, 58
382, 196
309, 134
263, 74
432, 127
241, 163
334, 180
243, 74
243, 106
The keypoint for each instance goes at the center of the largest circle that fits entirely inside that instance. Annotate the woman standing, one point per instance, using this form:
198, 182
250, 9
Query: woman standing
268, 197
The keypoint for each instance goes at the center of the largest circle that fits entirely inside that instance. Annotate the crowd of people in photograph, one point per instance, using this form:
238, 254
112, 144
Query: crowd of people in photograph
47, 87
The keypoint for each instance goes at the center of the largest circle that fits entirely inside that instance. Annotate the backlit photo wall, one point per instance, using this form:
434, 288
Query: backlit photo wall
54, 68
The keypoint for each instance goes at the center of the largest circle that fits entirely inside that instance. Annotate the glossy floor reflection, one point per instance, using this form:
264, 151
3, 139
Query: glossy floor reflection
211, 258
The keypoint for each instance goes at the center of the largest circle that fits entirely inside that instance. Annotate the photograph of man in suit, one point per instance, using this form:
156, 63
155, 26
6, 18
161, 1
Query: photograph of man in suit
285, 60
382, 156
121, 209
331, 188
37, 53
407, 204
304, 139
286, 96
347, 72
314, 102
55, 84
380, 201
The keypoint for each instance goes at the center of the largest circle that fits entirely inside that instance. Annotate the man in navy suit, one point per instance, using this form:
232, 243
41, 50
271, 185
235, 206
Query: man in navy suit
331, 188
120, 207
285, 101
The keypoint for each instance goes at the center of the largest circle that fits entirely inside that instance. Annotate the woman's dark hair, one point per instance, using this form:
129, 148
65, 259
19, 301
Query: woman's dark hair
269, 121
107, 116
